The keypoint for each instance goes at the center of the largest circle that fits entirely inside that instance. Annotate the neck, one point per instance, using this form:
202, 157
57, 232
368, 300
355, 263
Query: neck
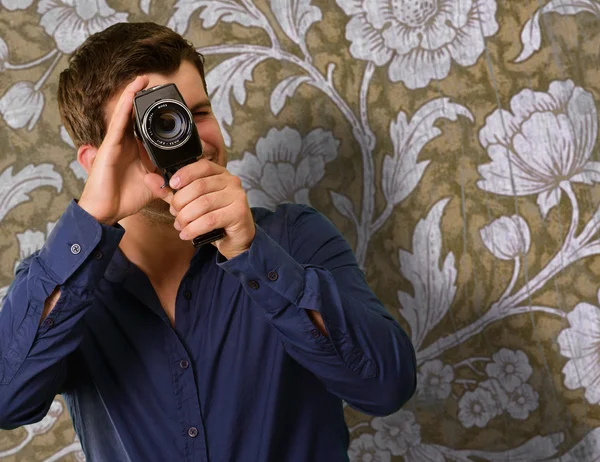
154, 246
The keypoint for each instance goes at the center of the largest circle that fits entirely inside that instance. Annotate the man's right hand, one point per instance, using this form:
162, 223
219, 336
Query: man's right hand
115, 186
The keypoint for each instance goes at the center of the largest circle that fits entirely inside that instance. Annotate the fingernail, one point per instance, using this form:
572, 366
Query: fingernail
183, 235
172, 211
177, 226
174, 182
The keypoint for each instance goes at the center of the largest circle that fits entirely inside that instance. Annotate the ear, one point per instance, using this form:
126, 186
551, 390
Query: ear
86, 155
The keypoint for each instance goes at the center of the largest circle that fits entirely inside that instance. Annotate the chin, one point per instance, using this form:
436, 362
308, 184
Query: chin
157, 212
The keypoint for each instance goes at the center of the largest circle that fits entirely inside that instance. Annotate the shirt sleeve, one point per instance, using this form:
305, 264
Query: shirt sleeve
367, 359
34, 354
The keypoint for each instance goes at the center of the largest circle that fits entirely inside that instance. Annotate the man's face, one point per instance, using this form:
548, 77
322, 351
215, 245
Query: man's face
189, 83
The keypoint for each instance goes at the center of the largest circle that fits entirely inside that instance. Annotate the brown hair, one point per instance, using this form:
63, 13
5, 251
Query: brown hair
106, 62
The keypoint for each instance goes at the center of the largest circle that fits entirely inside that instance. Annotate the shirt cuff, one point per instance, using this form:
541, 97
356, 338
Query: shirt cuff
266, 266
77, 235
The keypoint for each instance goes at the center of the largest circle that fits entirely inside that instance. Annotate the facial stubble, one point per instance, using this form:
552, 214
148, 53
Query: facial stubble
157, 212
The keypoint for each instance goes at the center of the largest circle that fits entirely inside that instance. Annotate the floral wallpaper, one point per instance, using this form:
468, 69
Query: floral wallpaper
453, 142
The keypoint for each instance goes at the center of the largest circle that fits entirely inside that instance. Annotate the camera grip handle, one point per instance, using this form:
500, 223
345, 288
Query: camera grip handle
203, 239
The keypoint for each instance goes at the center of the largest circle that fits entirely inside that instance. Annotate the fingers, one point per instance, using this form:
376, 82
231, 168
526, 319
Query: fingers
154, 182
193, 171
222, 217
198, 188
202, 206
121, 117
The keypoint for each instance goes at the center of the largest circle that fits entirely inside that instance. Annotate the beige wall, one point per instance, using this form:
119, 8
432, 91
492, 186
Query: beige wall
454, 143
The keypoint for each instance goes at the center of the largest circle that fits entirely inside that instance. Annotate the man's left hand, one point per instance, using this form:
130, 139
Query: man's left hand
208, 197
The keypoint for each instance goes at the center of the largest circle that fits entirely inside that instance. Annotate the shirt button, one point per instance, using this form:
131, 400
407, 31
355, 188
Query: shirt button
253, 284
75, 249
98, 255
315, 333
193, 432
48, 322
273, 276
184, 364
188, 295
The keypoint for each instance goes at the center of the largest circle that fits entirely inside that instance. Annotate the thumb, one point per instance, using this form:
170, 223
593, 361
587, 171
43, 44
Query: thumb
154, 182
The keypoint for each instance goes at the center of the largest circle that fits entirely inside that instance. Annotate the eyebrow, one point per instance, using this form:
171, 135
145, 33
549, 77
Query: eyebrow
201, 104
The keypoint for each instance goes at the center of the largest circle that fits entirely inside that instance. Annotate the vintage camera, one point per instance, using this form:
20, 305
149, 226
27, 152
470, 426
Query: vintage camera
166, 127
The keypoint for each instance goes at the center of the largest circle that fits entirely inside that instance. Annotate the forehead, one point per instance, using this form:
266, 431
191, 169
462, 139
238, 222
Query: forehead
188, 81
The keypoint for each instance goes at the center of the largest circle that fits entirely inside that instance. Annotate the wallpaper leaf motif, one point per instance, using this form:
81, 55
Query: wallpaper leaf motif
14, 189
31, 241
226, 78
145, 6
538, 448
13, 5
213, 11
587, 450
343, 205
285, 89
531, 36
3, 53
401, 172
295, 17
433, 287
22, 105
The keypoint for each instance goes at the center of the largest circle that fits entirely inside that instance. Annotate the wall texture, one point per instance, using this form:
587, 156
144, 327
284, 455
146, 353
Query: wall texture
453, 142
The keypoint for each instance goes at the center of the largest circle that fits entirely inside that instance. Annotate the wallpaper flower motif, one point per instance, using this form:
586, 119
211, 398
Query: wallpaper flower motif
477, 408
522, 401
434, 380
507, 238
70, 22
543, 145
363, 448
581, 344
396, 432
285, 166
510, 368
419, 38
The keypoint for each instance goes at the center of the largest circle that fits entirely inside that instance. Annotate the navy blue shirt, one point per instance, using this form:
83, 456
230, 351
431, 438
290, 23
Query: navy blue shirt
244, 375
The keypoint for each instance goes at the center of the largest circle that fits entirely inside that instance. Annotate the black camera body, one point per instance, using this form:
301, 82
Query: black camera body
166, 127
163, 122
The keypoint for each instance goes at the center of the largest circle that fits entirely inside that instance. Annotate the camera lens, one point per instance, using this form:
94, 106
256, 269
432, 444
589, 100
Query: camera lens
168, 124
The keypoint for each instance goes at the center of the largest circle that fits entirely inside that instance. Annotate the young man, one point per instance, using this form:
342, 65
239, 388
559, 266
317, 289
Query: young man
238, 351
